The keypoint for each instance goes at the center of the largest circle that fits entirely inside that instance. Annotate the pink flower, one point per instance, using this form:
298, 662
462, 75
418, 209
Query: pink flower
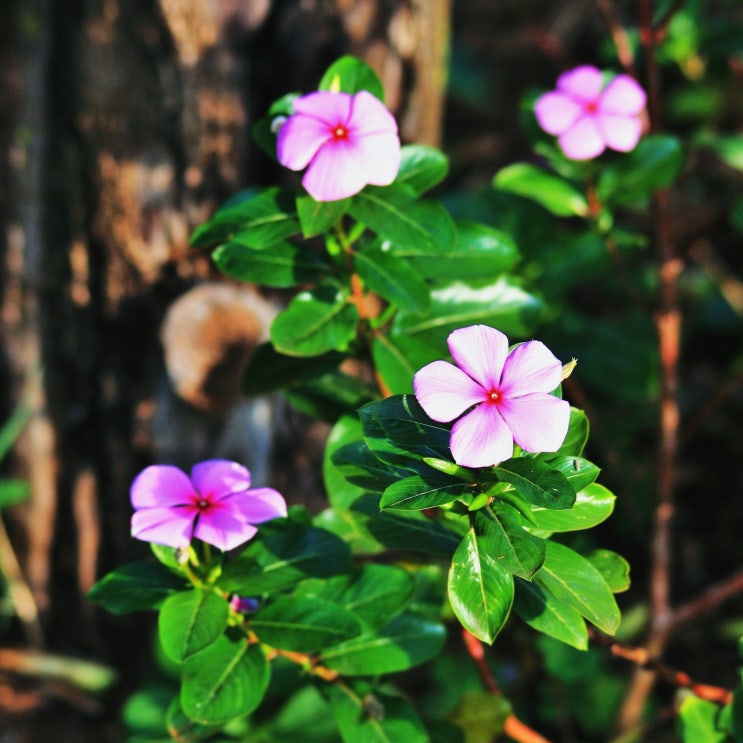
509, 392
215, 505
347, 141
588, 119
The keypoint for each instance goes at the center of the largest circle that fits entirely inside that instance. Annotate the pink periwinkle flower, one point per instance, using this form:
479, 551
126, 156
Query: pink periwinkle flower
587, 117
345, 142
509, 392
215, 504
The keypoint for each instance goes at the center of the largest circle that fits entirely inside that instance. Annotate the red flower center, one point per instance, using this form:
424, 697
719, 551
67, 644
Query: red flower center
494, 396
202, 503
340, 132
592, 107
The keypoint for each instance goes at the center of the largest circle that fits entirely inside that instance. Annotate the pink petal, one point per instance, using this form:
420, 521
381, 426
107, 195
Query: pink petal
217, 478
481, 438
622, 95
299, 139
583, 140
378, 154
333, 109
621, 133
335, 173
539, 422
530, 367
583, 83
480, 351
219, 527
444, 391
169, 526
255, 506
556, 112
161, 485
370, 116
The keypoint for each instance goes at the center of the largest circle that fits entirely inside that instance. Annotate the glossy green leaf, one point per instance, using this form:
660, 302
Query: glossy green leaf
593, 505
554, 193
501, 533
225, 680
577, 436
281, 555
411, 226
283, 266
537, 483
545, 613
398, 358
183, 729
358, 465
480, 589
481, 252
699, 722
426, 490
392, 278
365, 714
579, 472
407, 641
330, 396
135, 586
613, 567
304, 624
350, 75
572, 579
317, 321
317, 217
421, 167
191, 620
501, 304
254, 218
653, 164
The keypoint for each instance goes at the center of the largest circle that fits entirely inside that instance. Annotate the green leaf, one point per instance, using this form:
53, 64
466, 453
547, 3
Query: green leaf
265, 129
421, 167
13, 491
573, 580
593, 505
426, 490
365, 714
12, 428
501, 304
546, 614
501, 533
338, 477
183, 729
413, 227
398, 358
579, 472
191, 620
699, 722
135, 586
284, 265
350, 75
481, 715
255, 219
577, 436
227, 679
392, 278
481, 252
269, 370
358, 465
317, 217
281, 555
302, 624
480, 589
613, 567
555, 194
330, 396
653, 164
537, 483
317, 321
407, 641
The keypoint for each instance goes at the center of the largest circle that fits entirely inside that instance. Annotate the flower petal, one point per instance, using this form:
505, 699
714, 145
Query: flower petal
539, 422
583, 83
218, 478
444, 391
256, 506
621, 133
169, 526
623, 96
378, 154
161, 485
480, 351
217, 526
333, 109
481, 438
530, 367
299, 139
369, 115
556, 112
334, 173
583, 140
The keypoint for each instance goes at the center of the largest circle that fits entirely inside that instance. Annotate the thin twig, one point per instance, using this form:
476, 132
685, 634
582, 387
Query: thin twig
709, 599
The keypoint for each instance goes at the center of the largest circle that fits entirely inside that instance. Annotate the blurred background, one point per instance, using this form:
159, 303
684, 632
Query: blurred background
124, 124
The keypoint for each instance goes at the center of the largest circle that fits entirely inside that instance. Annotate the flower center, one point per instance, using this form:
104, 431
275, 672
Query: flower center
591, 107
202, 503
340, 132
494, 396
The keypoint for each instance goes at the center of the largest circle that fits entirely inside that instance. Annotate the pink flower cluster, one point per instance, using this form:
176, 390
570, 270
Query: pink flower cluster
588, 117
503, 395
